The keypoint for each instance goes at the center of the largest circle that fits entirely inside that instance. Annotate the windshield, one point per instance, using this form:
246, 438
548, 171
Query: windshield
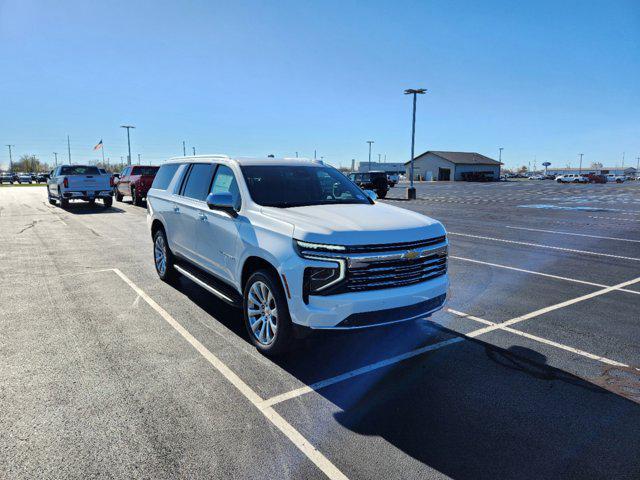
297, 186
144, 170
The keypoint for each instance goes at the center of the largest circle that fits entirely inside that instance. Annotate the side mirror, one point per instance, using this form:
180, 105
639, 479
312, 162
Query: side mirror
371, 194
223, 202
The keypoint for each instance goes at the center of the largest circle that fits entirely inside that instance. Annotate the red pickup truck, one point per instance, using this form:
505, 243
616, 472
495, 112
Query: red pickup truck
136, 181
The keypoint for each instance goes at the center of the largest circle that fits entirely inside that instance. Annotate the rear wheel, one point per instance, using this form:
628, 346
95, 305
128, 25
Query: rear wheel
162, 256
266, 313
135, 198
92, 201
64, 202
118, 196
108, 201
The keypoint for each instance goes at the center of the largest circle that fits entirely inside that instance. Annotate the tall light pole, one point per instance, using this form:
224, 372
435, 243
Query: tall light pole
370, 142
55, 154
69, 149
580, 167
184, 149
138, 159
500, 154
10, 157
128, 127
411, 191
194, 151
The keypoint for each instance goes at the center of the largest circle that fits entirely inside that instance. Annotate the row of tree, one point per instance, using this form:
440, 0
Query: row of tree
31, 163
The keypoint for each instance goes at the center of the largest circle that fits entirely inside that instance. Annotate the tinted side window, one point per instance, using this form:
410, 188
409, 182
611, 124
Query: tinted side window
225, 182
164, 176
199, 181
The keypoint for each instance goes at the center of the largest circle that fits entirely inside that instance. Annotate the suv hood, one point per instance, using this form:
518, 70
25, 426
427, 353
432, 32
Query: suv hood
356, 224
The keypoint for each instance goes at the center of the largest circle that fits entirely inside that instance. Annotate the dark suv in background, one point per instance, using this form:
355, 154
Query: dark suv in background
136, 181
376, 181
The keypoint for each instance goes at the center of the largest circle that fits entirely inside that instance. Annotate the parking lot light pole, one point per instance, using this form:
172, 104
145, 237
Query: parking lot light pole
55, 154
411, 191
580, 167
500, 154
128, 127
370, 142
10, 157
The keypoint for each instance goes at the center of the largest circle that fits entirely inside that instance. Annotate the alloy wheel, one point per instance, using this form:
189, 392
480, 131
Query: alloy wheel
262, 312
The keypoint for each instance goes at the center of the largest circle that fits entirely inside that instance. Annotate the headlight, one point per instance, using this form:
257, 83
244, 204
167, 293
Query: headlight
318, 247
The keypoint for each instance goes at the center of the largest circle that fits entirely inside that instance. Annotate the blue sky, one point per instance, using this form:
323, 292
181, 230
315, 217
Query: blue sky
544, 80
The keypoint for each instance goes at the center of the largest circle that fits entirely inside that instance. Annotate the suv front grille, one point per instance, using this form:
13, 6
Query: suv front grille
389, 247
381, 274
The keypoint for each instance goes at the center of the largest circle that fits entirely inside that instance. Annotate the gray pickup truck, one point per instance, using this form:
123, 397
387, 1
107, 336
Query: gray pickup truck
79, 182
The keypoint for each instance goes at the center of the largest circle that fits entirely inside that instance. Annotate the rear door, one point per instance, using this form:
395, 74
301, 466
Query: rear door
189, 206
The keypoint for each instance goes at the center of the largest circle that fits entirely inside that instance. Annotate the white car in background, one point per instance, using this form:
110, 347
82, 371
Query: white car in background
611, 178
572, 178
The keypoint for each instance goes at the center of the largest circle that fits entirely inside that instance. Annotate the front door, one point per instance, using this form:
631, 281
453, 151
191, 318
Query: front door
444, 174
218, 237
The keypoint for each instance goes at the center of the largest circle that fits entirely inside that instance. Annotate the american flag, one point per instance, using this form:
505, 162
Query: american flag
98, 146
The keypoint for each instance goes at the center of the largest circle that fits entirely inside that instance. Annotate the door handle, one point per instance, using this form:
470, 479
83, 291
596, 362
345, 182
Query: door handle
176, 208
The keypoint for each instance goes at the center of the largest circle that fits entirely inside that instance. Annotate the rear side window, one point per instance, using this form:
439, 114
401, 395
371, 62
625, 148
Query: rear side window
144, 170
164, 176
199, 181
79, 170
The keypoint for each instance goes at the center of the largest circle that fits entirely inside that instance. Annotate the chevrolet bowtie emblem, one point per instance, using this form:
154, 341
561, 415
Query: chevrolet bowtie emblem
411, 254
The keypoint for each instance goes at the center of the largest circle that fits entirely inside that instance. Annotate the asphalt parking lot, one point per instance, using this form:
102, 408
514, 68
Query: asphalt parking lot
529, 372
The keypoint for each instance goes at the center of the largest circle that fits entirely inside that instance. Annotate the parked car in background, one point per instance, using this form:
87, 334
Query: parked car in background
24, 178
135, 181
595, 178
376, 181
42, 177
6, 177
296, 245
572, 178
536, 177
611, 178
79, 182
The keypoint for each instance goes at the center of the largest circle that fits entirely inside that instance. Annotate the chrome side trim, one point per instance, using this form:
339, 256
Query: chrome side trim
204, 285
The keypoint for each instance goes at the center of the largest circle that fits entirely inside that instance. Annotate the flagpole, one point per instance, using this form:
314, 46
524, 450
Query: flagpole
102, 148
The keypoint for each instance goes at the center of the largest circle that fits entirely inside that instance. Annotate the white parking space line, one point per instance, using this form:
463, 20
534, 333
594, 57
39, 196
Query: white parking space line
313, 454
359, 371
563, 249
535, 338
491, 326
548, 275
551, 308
574, 234
614, 218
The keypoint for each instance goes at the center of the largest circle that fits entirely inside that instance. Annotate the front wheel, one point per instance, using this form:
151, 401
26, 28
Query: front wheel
64, 203
266, 314
135, 198
118, 196
381, 193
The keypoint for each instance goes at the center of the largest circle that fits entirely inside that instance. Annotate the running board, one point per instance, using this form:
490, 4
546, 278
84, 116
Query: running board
205, 281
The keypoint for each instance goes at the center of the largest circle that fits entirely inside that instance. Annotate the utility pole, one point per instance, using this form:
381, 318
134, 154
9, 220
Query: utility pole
56, 155
580, 168
10, 157
296, 154
184, 149
379, 158
637, 167
128, 127
314, 155
369, 142
138, 159
500, 154
411, 191
194, 151
623, 162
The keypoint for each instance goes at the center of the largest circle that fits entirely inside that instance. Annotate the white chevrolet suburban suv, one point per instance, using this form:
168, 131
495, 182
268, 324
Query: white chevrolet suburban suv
296, 244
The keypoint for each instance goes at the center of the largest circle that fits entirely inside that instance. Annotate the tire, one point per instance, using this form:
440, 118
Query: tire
51, 200
166, 272
381, 193
119, 196
135, 199
108, 201
92, 201
64, 203
261, 284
